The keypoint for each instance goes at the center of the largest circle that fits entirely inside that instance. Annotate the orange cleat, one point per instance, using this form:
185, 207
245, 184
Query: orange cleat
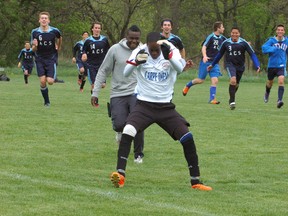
202, 187
117, 179
214, 102
185, 90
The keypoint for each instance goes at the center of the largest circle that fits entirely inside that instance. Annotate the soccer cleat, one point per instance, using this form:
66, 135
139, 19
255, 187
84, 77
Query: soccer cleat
117, 179
266, 97
81, 89
201, 186
232, 105
280, 104
214, 102
185, 90
138, 160
47, 105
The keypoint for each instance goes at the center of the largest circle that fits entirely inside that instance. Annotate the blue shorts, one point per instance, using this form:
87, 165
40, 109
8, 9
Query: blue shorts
27, 67
92, 72
273, 72
46, 67
214, 72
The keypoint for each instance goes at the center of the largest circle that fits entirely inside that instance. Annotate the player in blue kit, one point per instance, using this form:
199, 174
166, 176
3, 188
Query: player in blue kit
209, 50
276, 48
235, 48
94, 50
46, 42
77, 55
26, 61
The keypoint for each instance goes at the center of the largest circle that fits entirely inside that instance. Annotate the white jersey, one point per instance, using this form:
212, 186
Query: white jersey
156, 77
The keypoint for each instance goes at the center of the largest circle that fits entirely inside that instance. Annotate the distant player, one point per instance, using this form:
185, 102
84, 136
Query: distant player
46, 42
94, 50
166, 26
276, 48
26, 61
235, 48
209, 51
77, 54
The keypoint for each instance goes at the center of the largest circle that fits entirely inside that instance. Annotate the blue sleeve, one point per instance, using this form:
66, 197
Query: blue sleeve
20, 55
217, 59
255, 60
268, 48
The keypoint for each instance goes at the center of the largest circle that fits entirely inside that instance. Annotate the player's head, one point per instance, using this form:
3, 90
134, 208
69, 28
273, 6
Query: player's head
44, 18
85, 35
96, 28
280, 30
153, 47
218, 27
27, 45
166, 26
133, 36
235, 34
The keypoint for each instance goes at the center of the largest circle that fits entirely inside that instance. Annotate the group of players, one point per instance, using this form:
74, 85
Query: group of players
143, 77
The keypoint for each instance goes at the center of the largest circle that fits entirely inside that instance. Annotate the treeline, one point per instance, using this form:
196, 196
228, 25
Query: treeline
193, 20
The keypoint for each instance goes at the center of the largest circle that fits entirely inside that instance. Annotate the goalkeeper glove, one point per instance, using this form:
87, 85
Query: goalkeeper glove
165, 48
141, 57
94, 101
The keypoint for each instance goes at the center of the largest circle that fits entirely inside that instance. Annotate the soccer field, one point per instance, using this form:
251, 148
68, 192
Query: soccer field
57, 160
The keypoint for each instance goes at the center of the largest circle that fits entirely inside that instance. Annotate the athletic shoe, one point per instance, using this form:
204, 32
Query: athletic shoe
214, 102
201, 186
58, 81
266, 97
117, 179
138, 160
232, 105
47, 105
185, 90
280, 104
79, 82
103, 85
81, 89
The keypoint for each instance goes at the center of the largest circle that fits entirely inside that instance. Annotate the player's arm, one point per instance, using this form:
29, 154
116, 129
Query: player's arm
74, 51
253, 56
34, 45
183, 53
204, 54
268, 47
59, 43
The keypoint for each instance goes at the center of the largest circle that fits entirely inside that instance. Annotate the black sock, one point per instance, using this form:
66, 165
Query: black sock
45, 95
280, 92
82, 84
232, 89
80, 76
268, 89
26, 79
123, 153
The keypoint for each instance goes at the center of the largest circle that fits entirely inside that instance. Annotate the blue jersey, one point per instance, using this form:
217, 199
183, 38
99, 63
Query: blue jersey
26, 56
96, 49
78, 50
277, 51
46, 41
176, 41
213, 43
235, 53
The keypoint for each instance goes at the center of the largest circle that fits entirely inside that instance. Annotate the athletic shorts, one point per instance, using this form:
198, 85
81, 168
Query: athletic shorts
92, 72
235, 71
46, 67
28, 67
164, 114
202, 71
275, 72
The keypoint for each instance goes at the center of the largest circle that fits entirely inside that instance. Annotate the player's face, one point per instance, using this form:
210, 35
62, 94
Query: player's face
96, 30
166, 27
154, 50
221, 29
133, 39
280, 31
44, 20
235, 34
85, 35
27, 46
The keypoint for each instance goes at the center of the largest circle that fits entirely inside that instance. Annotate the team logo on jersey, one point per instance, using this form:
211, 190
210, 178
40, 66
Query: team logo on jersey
166, 65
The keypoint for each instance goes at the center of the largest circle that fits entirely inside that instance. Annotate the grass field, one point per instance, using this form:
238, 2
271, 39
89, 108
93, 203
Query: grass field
57, 160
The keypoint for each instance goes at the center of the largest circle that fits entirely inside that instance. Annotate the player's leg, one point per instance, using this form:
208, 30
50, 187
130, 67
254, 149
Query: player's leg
231, 70
214, 74
269, 84
280, 102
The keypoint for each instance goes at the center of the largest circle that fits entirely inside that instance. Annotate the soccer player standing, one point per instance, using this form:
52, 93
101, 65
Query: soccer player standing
94, 50
26, 61
276, 48
77, 54
235, 48
157, 68
209, 50
46, 42
122, 96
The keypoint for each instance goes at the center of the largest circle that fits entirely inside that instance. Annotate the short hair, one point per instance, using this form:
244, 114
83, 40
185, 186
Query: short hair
235, 27
44, 13
26, 42
217, 25
166, 20
153, 37
85, 32
134, 28
280, 25
96, 23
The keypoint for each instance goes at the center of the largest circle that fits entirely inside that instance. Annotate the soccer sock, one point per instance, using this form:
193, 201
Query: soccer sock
280, 93
45, 95
123, 153
26, 79
232, 89
189, 84
139, 144
212, 92
236, 88
82, 84
268, 89
190, 154
80, 76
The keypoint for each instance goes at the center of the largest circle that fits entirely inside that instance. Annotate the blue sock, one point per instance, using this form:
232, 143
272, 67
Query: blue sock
212, 92
189, 84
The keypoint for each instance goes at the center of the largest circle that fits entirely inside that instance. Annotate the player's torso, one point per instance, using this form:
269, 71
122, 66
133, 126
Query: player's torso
46, 42
96, 50
212, 45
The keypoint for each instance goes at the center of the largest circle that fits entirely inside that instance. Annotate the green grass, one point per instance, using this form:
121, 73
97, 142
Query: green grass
57, 161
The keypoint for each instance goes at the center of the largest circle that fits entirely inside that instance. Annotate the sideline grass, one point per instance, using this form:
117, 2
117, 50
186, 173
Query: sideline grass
57, 161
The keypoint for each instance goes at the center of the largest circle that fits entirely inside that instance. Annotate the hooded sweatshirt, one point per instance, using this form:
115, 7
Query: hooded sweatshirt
114, 64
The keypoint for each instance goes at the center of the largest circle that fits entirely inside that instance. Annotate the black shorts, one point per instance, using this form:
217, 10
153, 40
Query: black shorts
164, 114
235, 71
273, 72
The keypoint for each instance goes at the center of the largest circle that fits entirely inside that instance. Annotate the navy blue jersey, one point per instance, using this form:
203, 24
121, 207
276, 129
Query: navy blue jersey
78, 50
235, 53
176, 41
96, 49
213, 43
26, 57
46, 41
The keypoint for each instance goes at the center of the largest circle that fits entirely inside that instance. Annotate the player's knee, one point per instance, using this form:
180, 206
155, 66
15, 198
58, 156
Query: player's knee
130, 130
186, 137
81, 70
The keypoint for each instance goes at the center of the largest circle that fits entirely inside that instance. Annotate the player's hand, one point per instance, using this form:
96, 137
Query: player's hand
189, 64
165, 48
19, 64
35, 42
84, 57
141, 57
258, 70
73, 60
209, 67
94, 101
205, 59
